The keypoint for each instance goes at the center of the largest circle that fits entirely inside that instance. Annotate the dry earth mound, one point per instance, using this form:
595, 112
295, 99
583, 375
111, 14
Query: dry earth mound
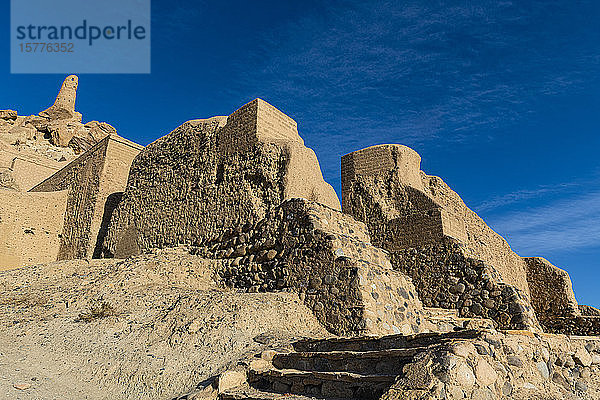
150, 327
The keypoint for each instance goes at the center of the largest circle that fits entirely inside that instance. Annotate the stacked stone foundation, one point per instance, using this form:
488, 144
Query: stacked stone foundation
327, 258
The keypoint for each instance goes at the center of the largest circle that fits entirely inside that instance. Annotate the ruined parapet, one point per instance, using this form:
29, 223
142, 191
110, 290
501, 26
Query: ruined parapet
95, 182
554, 301
328, 259
551, 290
412, 214
446, 277
209, 175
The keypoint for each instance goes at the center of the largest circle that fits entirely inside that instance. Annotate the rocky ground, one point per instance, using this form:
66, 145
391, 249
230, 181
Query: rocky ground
154, 326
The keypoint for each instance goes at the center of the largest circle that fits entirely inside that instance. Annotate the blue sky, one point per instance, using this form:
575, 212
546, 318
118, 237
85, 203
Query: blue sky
500, 98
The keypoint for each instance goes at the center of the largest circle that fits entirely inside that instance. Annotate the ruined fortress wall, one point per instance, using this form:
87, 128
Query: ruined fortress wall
173, 191
29, 173
120, 154
30, 227
90, 179
551, 290
82, 179
26, 169
257, 121
375, 160
446, 277
479, 240
209, 175
326, 256
403, 207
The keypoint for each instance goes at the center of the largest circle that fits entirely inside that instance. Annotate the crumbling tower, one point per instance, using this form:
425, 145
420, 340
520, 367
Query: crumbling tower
454, 258
64, 105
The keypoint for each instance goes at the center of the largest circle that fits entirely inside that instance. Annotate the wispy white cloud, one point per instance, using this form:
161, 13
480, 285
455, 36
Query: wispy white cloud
438, 72
564, 224
523, 195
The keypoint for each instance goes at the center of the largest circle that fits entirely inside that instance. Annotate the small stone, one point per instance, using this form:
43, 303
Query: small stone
464, 375
271, 254
559, 379
529, 386
483, 394
239, 251
463, 349
595, 359
581, 386
514, 361
507, 389
231, 379
22, 386
195, 326
486, 375
268, 355
545, 354
489, 303
454, 392
477, 309
458, 288
543, 368
582, 357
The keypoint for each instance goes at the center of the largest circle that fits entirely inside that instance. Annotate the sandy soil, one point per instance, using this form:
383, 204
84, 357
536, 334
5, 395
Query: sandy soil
165, 327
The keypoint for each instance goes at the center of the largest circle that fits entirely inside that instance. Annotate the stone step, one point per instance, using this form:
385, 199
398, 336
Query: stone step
368, 362
374, 343
254, 394
450, 313
330, 385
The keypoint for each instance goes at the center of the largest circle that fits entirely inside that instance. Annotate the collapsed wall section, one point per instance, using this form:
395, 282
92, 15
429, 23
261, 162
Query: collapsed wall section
209, 175
31, 225
327, 258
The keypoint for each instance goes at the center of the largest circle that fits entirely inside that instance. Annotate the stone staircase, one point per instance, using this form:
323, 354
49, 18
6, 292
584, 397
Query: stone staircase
339, 368
448, 320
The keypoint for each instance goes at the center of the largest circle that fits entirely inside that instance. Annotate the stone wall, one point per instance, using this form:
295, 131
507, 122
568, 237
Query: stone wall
446, 278
508, 365
210, 175
551, 290
90, 180
30, 227
327, 258
384, 187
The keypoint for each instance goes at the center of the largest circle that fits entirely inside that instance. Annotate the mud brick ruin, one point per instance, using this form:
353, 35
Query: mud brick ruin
403, 255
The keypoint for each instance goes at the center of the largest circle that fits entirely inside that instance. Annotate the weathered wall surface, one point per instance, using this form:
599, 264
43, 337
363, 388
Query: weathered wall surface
26, 168
551, 290
30, 227
503, 366
90, 179
209, 175
403, 207
327, 257
446, 278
